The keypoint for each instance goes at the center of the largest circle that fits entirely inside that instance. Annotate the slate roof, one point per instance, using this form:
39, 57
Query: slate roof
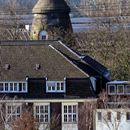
22, 57
85, 62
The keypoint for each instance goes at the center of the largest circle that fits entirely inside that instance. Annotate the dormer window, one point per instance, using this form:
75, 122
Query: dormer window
13, 87
55, 86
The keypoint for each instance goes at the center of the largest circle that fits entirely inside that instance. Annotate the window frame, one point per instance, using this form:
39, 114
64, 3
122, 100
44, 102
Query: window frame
38, 115
117, 87
14, 88
125, 89
71, 117
14, 114
112, 93
55, 85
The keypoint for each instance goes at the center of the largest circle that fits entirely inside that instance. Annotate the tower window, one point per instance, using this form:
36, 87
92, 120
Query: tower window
43, 35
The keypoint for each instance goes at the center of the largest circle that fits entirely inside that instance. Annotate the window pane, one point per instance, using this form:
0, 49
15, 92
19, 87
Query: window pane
99, 114
6, 86
20, 86
127, 115
109, 116
118, 116
70, 118
11, 86
37, 109
15, 87
24, 87
65, 109
18, 110
53, 88
49, 87
62, 86
120, 89
41, 118
58, 88
65, 118
46, 109
74, 109
9, 109
127, 89
1, 86
112, 89
46, 118
41, 109
69, 109
74, 118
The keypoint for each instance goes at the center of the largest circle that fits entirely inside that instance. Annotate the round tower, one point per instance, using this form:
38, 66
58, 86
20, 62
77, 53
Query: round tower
49, 14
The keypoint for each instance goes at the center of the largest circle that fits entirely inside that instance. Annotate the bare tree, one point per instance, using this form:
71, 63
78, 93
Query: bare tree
25, 122
111, 110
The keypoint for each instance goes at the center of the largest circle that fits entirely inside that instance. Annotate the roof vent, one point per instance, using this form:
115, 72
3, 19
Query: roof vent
7, 66
37, 67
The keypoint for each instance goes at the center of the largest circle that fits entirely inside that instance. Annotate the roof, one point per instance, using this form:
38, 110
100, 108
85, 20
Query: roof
50, 5
23, 57
119, 82
85, 62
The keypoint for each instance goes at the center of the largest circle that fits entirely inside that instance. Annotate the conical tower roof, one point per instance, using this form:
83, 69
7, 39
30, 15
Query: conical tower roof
43, 6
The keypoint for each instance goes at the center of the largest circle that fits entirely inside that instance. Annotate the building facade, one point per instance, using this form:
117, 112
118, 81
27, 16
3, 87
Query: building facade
49, 79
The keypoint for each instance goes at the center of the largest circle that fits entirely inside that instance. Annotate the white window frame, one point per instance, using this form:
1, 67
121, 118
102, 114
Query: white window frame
125, 89
119, 93
13, 114
110, 93
43, 105
67, 114
15, 89
55, 86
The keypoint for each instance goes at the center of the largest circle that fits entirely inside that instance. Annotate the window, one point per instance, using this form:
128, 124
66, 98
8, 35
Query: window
55, 86
70, 113
127, 89
13, 111
42, 113
120, 89
118, 116
10, 87
43, 35
128, 116
111, 89
109, 116
99, 116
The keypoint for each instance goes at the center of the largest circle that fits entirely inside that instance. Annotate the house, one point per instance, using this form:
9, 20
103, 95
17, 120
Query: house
121, 88
115, 113
48, 78
112, 119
